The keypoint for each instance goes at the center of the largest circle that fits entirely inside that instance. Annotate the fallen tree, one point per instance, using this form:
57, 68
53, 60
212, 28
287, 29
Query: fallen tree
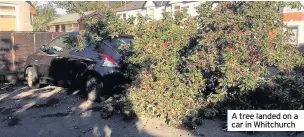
183, 68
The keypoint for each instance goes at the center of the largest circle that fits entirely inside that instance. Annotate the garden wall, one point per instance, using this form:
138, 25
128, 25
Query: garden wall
15, 47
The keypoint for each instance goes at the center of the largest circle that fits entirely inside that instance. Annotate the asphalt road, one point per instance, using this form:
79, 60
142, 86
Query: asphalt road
50, 112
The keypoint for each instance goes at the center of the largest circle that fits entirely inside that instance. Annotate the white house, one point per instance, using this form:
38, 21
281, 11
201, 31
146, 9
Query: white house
292, 17
154, 9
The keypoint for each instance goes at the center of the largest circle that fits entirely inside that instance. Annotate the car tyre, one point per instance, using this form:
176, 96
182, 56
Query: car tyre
32, 78
93, 86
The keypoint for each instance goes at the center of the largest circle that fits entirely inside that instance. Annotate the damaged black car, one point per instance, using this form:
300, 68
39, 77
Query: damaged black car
94, 71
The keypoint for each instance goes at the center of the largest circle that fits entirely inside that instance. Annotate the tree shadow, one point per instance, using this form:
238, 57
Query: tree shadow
5, 47
23, 111
8, 66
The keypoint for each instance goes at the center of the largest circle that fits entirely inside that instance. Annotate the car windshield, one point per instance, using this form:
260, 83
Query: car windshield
63, 43
114, 43
126, 40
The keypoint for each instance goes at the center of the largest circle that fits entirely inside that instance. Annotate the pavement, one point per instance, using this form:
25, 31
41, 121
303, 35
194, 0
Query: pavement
51, 112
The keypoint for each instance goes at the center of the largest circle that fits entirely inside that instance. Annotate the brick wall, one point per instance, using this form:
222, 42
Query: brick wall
15, 47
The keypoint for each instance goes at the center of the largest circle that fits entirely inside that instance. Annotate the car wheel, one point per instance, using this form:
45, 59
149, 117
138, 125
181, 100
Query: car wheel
32, 78
93, 87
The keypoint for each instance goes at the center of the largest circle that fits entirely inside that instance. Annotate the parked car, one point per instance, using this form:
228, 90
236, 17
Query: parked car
94, 70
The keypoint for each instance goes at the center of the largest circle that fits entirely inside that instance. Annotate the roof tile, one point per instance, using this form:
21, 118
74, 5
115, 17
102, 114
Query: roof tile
69, 18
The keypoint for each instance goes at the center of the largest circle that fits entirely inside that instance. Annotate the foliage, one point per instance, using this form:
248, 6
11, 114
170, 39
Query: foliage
83, 6
239, 42
160, 89
102, 25
71, 41
284, 92
45, 14
181, 67
79, 6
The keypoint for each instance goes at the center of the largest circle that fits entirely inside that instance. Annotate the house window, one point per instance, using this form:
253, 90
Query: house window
214, 5
57, 28
75, 27
124, 16
32, 18
150, 12
186, 8
7, 9
8, 18
289, 9
7, 23
119, 15
63, 28
177, 8
295, 37
68, 27
281, 10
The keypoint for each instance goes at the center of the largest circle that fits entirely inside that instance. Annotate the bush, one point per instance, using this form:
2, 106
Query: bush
160, 89
102, 25
179, 67
239, 42
284, 92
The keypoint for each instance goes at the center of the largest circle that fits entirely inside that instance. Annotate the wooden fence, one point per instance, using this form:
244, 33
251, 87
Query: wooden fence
15, 47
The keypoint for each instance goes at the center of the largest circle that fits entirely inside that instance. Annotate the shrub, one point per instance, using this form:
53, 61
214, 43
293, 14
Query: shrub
160, 89
239, 42
102, 25
178, 66
284, 92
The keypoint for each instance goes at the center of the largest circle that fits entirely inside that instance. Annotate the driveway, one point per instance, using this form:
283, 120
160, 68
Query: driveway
50, 112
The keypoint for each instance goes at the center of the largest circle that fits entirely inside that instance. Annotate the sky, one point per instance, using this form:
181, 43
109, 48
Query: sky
58, 10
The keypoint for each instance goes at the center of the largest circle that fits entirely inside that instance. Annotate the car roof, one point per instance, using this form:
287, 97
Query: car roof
76, 34
120, 35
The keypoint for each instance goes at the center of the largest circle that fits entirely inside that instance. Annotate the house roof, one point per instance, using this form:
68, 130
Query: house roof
160, 3
139, 5
30, 3
131, 6
69, 18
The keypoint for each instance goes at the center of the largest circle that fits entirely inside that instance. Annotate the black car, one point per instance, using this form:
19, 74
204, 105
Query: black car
95, 70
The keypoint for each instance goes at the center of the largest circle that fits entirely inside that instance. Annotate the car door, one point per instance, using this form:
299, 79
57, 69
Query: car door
34, 59
54, 64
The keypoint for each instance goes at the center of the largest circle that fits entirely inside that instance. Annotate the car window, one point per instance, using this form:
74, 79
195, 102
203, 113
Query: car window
106, 47
118, 41
63, 43
109, 47
89, 52
126, 40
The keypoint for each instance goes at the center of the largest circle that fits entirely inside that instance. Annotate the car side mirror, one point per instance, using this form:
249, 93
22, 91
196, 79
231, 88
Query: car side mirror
43, 48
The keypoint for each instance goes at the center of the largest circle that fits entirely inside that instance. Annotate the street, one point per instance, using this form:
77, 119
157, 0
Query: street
50, 112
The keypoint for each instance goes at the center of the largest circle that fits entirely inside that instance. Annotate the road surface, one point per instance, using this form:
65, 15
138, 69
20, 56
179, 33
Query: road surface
50, 112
